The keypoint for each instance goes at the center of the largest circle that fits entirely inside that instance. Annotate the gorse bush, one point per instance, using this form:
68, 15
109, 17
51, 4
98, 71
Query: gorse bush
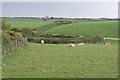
16, 30
11, 41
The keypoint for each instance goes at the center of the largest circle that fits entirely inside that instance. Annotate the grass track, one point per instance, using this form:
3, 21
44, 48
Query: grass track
61, 61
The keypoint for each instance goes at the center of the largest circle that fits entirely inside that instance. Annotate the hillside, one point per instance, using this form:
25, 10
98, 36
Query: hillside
102, 28
26, 22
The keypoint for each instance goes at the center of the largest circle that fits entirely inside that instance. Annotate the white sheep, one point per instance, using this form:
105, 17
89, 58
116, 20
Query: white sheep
42, 41
104, 39
3, 64
5, 51
72, 45
81, 44
107, 44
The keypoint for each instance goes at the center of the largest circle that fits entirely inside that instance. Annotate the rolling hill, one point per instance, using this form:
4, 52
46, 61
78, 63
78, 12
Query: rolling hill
102, 28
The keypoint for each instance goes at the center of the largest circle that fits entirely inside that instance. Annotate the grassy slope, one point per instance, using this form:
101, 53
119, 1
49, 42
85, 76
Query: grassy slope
26, 23
36, 60
103, 28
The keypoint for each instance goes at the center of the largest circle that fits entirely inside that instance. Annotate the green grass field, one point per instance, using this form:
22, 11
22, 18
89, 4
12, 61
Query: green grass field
62, 61
26, 22
102, 28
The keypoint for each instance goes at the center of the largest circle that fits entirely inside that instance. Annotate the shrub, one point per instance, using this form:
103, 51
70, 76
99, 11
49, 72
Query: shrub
16, 30
5, 25
5, 42
11, 41
91, 39
59, 22
27, 32
21, 40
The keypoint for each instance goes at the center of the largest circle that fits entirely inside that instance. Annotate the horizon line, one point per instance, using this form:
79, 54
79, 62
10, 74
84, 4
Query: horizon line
59, 17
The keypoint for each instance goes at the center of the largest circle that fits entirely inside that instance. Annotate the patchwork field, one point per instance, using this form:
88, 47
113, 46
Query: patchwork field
62, 61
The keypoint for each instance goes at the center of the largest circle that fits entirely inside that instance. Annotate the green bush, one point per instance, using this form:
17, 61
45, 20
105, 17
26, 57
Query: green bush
60, 22
27, 32
92, 39
6, 25
16, 30
5, 42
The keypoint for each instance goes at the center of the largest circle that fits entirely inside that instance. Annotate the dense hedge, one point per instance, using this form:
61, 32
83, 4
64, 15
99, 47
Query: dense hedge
11, 41
60, 22
58, 39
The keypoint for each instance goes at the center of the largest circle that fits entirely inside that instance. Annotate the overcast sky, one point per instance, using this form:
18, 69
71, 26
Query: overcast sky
60, 0
61, 9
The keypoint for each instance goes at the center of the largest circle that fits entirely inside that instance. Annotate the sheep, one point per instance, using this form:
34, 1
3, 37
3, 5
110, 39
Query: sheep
72, 45
81, 44
42, 41
5, 51
107, 44
3, 64
104, 39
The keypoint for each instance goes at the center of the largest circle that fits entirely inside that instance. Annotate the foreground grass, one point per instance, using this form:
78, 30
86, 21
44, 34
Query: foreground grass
61, 61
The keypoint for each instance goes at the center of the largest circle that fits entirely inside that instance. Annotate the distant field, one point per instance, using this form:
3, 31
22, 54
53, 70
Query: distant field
82, 27
61, 61
103, 28
27, 22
